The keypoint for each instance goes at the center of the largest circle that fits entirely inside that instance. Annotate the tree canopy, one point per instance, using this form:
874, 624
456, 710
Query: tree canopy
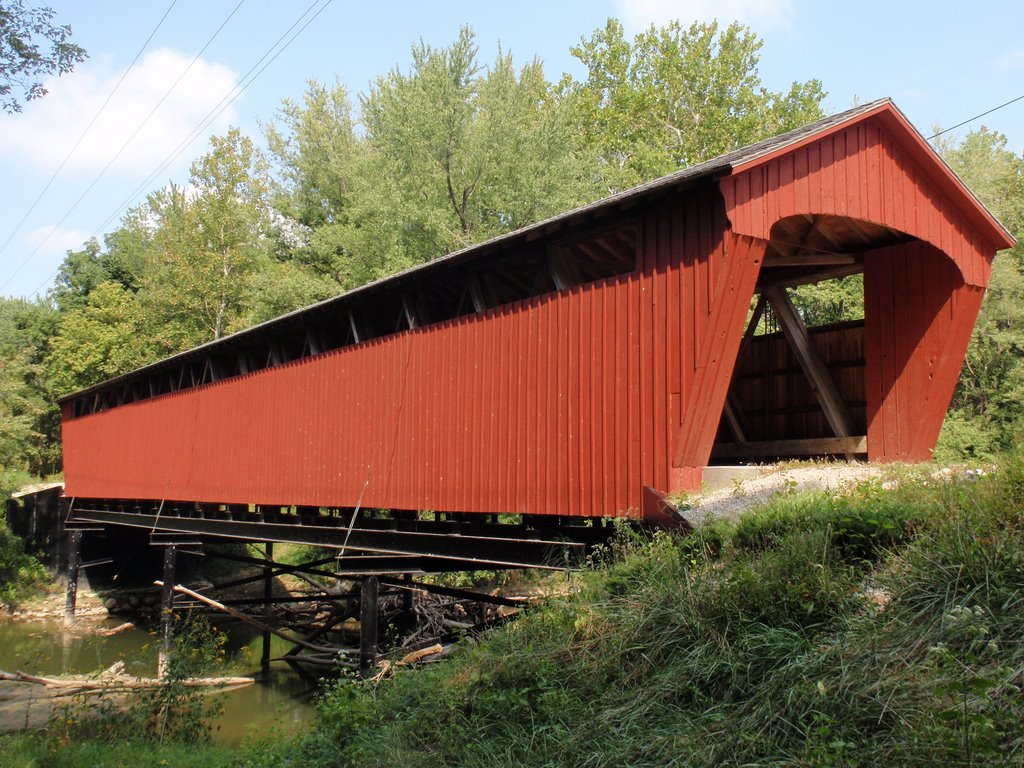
31, 47
674, 96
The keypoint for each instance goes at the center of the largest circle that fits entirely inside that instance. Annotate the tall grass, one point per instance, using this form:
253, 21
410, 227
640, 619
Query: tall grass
875, 627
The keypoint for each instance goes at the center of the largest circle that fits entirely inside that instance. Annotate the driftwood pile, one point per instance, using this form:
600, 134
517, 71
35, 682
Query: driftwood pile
414, 625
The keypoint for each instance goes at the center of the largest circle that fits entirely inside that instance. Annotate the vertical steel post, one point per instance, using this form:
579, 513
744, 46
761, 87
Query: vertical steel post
167, 610
74, 558
268, 591
368, 625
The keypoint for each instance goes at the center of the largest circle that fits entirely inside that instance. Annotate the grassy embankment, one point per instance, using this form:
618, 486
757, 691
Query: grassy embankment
877, 627
881, 627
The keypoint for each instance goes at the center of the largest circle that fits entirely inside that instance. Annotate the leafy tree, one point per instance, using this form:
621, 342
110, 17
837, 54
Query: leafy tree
457, 153
673, 97
315, 147
31, 47
206, 245
96, 342
83, 270
29, 421
830, 301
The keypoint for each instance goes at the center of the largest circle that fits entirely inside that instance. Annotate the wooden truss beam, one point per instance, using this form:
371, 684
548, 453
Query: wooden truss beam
409, 311
813, 259
814, 446
822, 384
793, 276
562, 269
476, 292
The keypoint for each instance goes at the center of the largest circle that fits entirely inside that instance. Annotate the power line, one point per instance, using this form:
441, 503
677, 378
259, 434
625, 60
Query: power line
88, 128
124, 146
971, 120
244, 82
212, 115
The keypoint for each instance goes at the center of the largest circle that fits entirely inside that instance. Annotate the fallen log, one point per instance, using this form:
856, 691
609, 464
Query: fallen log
114, 631
242, 617
116, 679
412, 658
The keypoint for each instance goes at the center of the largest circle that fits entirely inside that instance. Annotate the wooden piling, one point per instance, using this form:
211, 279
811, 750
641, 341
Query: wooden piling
74, 558
167, 610
368, 625
268, 593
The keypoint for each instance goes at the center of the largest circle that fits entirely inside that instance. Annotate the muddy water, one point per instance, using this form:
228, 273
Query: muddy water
279, 702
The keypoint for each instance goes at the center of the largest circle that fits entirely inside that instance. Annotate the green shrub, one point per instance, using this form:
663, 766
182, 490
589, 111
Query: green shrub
170, 713
21, 574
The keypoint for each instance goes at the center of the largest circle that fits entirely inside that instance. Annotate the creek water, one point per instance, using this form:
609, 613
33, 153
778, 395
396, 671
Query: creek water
280, 701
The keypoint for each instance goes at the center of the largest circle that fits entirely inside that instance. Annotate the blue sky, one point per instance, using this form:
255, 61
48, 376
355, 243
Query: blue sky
942, 62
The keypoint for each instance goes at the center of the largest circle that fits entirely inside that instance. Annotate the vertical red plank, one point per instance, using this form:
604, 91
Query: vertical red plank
549, 438
633, 404
519, 475
589, 431
658, 474
537, 438
617, 392
564, 398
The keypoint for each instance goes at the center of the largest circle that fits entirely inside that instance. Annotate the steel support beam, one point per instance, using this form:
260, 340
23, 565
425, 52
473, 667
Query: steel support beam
480, 551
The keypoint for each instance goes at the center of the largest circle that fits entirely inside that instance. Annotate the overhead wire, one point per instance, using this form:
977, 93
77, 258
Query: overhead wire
976, 117
244, 82
88, 128
124, 146
211, 116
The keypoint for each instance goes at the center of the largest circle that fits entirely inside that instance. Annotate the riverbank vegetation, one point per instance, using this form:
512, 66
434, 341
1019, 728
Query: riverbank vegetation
21, 574
876, 625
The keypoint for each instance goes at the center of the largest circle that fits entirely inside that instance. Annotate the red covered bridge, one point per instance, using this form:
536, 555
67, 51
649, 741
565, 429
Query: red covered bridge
559, 371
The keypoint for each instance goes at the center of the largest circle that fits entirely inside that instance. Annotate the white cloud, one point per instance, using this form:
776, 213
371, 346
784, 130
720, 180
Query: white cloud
50, 240
1010, 61
43, 134
639, 14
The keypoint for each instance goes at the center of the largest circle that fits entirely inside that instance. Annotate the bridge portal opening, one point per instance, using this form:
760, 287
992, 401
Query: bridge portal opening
798, 390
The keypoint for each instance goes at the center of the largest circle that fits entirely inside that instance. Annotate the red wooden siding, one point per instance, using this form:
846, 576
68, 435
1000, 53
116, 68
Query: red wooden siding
729, 296
861, 172
695, 287
919, 314
530, 408
570, 403
567, 404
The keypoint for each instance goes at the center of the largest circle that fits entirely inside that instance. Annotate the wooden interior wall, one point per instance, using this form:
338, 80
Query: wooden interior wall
773, 392
919, 315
